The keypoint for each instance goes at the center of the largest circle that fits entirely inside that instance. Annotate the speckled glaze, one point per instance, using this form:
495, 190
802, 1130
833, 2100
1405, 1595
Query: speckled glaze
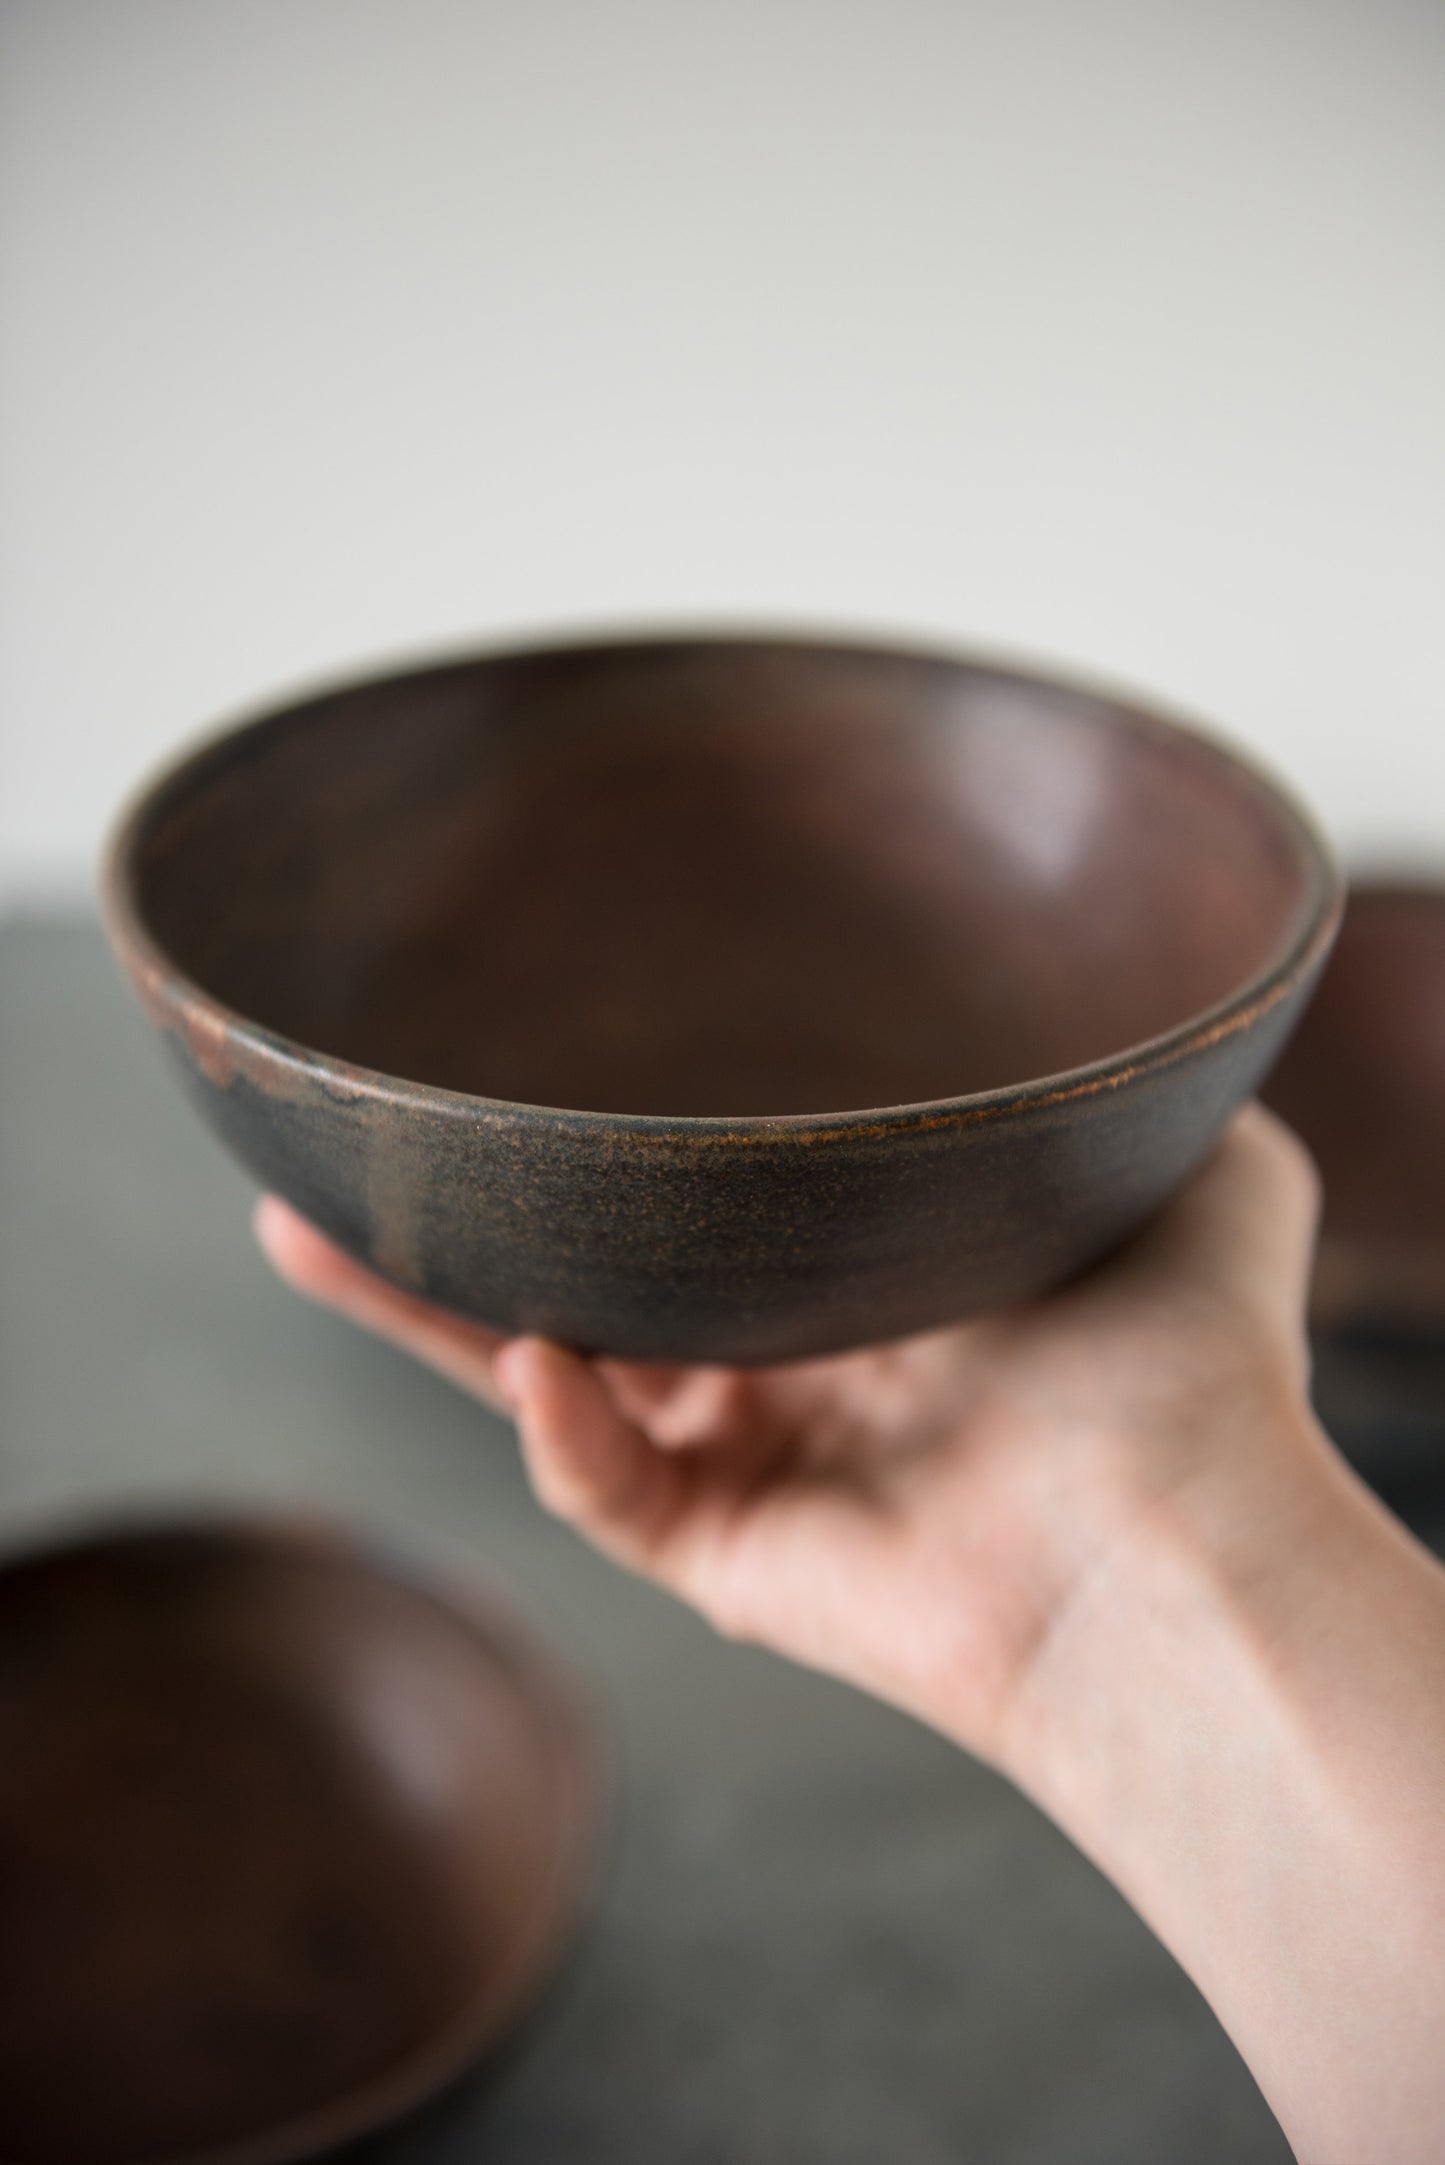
730, 1000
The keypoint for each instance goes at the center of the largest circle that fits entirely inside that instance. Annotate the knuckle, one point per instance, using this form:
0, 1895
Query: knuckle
723, 1604
729, 1623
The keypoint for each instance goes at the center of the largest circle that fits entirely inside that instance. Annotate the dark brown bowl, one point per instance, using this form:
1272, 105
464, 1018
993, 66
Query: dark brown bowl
1364, 1084
720, 1000
288, 1841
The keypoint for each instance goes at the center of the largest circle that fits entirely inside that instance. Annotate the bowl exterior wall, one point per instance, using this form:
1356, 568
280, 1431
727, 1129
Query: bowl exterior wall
657, 1240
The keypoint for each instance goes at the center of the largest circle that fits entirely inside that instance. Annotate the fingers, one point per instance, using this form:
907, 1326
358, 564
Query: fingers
686, 1408
667, 1470
590, 1465
1246, 1223
459, 1350
775, 1561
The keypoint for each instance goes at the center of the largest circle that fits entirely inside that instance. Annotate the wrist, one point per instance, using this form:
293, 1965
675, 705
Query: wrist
1194, 1573
1240, 1716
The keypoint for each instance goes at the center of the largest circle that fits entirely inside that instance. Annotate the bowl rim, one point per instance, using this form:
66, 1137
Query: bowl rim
567, 1712
223, 1038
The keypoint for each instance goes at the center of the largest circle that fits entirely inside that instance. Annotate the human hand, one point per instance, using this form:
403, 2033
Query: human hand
1102, 1542
923, 1518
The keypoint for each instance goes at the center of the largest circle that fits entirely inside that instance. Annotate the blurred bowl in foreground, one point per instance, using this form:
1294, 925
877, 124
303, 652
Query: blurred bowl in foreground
289, 1841
708, 999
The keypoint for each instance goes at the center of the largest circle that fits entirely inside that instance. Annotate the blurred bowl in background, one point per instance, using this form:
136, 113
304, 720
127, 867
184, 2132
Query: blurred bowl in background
1363, 1082
707, 999
1364, 1085
289, 1840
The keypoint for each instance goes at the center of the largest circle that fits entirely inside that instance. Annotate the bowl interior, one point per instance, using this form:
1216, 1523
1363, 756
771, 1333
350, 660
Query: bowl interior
732, 878
285, 1838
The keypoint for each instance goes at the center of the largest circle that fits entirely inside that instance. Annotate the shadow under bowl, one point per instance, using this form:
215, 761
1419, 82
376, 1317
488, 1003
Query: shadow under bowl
710, 999
289, 1840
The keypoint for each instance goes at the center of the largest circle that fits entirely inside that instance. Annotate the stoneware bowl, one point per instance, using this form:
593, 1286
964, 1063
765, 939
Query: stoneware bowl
1364, 1084
707, 999
289, 1841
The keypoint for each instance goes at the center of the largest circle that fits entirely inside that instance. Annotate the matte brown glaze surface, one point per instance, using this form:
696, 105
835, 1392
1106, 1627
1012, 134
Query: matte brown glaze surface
287, 1840
720, 999
1364, 1084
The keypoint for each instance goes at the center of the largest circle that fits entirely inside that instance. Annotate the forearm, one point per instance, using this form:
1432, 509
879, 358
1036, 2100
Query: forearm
1242, 1720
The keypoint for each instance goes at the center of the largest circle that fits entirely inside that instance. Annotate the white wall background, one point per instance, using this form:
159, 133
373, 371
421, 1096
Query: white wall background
1112, 330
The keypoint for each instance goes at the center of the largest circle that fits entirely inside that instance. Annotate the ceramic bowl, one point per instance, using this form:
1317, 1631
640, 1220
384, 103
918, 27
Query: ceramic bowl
290, 1840
714, 999
1364, 1084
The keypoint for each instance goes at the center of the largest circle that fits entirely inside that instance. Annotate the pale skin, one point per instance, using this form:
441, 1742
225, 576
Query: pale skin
1103, 1544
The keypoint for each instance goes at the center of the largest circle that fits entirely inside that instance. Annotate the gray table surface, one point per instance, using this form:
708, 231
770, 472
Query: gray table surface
822, 1933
